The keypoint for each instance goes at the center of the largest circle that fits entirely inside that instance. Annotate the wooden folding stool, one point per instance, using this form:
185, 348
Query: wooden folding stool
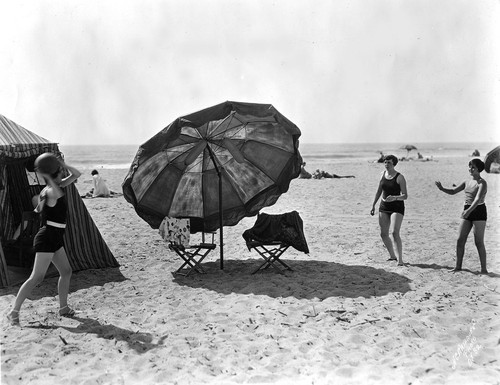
271, 253
192, 255
176, 231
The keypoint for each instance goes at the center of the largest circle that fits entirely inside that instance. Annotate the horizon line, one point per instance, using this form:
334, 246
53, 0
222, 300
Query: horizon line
312, 143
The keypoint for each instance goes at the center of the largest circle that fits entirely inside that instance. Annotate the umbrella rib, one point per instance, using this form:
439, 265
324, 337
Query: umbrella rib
271, 145
230, 116
196, 163
224, 132
266, 174
242, 127
233, 187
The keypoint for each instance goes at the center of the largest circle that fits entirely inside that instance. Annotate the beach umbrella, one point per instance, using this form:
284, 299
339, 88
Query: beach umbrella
492, 157
215, 166
408, 148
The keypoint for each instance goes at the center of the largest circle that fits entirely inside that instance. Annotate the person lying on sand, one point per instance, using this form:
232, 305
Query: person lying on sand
323, 174
90, 194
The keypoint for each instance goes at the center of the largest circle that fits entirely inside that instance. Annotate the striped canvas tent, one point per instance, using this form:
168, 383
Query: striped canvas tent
85, 246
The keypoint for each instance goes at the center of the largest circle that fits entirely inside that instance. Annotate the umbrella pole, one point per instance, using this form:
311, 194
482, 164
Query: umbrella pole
220, 222
220, 207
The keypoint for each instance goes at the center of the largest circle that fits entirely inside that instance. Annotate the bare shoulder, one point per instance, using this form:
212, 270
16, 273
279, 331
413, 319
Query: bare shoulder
49, 192
43, 193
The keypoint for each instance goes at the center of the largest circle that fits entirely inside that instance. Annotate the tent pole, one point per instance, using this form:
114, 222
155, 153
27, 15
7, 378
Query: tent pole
4, 272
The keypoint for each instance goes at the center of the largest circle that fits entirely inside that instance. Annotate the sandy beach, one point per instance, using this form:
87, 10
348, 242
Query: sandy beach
344, 315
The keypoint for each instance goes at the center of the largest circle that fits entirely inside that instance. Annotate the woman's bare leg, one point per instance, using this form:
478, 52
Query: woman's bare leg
397, 221
479, 228
42, 262
463, 233
60, 260
384, 221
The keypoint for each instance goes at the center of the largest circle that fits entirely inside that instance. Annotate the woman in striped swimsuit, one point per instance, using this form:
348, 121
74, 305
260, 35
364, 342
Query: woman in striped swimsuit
474, 215
392, 187
48, 243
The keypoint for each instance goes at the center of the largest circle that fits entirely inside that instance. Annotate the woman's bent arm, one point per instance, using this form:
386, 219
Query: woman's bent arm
450, 191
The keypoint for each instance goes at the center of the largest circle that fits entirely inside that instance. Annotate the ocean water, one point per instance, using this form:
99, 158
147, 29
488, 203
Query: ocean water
121, 156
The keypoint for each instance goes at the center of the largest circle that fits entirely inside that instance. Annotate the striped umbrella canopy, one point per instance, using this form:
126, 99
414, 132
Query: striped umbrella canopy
17, 142
215, 166
492, 157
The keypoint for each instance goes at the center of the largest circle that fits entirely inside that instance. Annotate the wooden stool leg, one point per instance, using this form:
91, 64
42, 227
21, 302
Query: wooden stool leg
192, 259
270, 256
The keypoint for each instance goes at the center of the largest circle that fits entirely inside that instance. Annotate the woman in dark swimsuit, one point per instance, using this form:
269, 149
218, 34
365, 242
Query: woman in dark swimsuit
392, 187
48, 243
474, 215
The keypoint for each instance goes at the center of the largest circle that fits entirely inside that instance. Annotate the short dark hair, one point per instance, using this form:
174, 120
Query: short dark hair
94, 172
391, 157
478, 163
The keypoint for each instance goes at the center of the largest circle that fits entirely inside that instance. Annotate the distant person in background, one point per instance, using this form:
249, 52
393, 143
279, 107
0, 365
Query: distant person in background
392, 187
303, 173
476, 153
320, 174
474, 215
100, 187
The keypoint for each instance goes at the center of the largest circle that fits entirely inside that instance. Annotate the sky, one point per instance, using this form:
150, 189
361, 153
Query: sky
381, 71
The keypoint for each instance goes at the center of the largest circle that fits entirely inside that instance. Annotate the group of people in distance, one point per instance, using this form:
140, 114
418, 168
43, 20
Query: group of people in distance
49, 245
392, 187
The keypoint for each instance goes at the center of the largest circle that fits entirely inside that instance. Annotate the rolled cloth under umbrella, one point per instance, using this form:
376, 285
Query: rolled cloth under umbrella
215, 166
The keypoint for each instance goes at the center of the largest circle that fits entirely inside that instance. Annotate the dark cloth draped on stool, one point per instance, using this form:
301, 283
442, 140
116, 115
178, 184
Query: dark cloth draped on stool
286, 228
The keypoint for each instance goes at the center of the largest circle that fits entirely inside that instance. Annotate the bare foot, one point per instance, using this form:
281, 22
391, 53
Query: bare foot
392, 259
485, 272
455, 270
13, 317
66, 311
401, 264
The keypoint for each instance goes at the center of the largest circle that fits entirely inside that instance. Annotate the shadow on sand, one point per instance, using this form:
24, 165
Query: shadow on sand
80, 280
309, 279
434, 266
140, 342
449, 268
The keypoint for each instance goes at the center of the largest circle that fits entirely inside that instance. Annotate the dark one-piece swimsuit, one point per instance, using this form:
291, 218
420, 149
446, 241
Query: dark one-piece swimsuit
49, 238
391, 187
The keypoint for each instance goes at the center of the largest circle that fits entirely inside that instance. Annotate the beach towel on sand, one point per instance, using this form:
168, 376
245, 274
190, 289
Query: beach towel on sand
175, 230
